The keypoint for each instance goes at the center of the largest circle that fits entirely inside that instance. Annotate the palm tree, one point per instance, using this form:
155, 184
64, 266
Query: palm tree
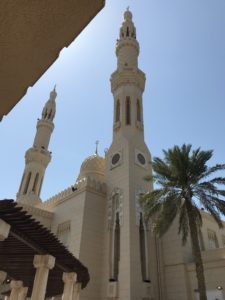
184, 182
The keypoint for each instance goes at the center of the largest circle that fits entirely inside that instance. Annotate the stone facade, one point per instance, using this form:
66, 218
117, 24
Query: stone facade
100, 220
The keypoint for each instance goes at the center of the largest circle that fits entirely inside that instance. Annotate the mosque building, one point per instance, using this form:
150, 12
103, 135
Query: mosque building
99, 217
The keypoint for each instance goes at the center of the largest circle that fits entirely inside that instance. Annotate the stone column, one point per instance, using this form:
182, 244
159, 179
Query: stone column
43, 263
76, 290
68, 279
15, 289
4, 230
3, 276
22, 293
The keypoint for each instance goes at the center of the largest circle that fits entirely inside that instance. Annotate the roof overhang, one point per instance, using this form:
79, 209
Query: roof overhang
27, 237
32, 35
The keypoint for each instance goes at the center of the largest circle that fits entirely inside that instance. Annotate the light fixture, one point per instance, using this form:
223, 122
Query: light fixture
219, 287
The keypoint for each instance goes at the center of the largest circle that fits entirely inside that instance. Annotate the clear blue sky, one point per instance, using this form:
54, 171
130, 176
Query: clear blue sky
183, 56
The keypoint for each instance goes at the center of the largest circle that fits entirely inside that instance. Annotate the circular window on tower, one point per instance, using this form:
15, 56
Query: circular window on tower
141, 159
115, 159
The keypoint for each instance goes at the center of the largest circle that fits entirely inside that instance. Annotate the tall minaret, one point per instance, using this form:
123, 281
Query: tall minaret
38, 157
127, 164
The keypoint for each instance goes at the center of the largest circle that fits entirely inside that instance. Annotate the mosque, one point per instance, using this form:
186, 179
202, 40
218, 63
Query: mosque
99, 217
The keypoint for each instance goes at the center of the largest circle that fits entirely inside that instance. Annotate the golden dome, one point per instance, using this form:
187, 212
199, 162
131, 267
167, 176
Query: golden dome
93, 166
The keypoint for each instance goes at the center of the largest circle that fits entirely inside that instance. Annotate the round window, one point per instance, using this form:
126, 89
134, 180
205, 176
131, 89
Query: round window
141, 159
115, 158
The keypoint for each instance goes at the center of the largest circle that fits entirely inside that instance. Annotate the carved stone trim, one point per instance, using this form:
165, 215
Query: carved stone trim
119, 192
138, 208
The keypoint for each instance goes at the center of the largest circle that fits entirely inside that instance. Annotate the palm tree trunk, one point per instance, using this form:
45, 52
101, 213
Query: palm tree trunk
197, 253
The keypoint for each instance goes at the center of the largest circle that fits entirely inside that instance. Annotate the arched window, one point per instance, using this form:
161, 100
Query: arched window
128, 120
118, 110
39, 191
127, 33
138, 110
27, 183
35, 183
115, 239
144, 250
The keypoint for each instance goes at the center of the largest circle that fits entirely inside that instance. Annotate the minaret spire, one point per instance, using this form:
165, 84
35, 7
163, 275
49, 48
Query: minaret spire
38, 157
127, 165
127, 108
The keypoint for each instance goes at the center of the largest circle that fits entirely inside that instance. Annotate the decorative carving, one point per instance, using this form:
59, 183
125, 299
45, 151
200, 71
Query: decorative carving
138, 209
116, 191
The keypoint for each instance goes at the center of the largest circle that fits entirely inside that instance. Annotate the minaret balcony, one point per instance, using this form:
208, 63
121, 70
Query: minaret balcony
38, 155
127, 42
127, 77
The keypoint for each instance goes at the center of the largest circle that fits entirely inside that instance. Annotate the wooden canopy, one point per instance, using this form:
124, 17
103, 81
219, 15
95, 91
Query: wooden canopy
28, 237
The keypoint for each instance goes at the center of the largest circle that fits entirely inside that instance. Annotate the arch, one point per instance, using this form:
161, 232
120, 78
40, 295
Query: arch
117, 111
128, 111
138, 110
35, 183
27, 183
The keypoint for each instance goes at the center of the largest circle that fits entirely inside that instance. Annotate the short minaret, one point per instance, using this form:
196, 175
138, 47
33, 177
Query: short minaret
38, 157
127, 164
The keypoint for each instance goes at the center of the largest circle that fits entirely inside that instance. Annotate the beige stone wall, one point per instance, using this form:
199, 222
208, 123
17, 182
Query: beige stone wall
91, 245
72, 210
179, 270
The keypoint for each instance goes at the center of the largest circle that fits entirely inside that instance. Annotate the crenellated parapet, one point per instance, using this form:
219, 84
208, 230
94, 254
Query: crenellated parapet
87, 183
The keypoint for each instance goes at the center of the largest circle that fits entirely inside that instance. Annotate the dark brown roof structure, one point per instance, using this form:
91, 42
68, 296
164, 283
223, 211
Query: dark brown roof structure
27, 238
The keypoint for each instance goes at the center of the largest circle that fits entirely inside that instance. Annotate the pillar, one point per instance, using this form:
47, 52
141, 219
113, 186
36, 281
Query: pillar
69, 280
23, 293
15, 289
4, 230
76, 290
42, 263
3, 276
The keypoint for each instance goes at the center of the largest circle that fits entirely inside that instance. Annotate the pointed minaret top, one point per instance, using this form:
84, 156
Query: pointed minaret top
48, 112
128, 15
127, 29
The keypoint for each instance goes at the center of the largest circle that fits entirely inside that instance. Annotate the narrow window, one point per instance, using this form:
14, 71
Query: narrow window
138, 110
35, 183
117, 110
116, 248
143, 250
27, 183
63, 233
128, 111
127, 33
213, 242
39, 191
115, 240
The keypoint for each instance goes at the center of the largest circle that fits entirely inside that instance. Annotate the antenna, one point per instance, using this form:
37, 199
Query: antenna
96, 149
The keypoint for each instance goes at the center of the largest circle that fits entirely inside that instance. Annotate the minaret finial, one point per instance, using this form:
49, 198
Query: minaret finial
96, 149
128, 8
54, 88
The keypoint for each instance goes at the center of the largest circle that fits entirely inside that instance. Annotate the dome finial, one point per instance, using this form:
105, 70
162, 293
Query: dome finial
96, 149
128, 14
